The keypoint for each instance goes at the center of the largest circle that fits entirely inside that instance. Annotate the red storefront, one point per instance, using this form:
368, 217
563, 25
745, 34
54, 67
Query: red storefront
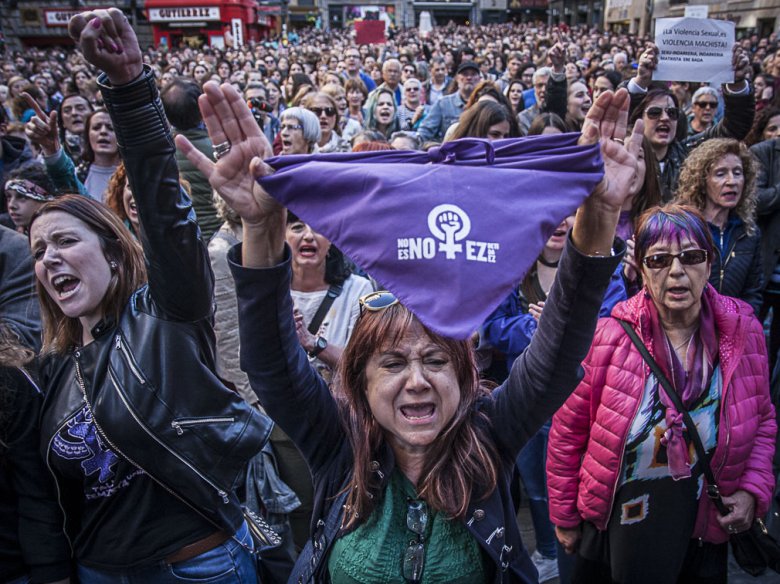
215, 23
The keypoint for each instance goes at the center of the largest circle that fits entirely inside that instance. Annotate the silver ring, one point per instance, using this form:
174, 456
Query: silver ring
731, 529
618, 140
222, 149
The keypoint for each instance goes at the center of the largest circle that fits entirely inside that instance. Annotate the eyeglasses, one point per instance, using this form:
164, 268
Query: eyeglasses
290, 127
706, 104
689, 257
412, 88
318, 111
376, 301
355, 56
655, 112
414, 557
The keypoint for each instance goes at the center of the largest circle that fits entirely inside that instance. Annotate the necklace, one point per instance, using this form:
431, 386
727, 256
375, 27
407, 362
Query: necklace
544, 262
688, 340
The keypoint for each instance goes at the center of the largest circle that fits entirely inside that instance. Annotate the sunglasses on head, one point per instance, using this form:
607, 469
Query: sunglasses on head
689, 257
318, 111
376, 301
655, 112
414, 557
706, 104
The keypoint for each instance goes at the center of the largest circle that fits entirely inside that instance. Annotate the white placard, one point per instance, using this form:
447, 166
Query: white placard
697, 11
237, 28
184, 14
694, 49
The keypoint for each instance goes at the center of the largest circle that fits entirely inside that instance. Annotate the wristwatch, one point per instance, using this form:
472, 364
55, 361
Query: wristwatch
320, 344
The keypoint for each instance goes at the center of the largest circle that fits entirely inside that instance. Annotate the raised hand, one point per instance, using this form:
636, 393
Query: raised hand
740, 62
557, 56
42, 127
648, 61
232, 128
606, 123
107, 40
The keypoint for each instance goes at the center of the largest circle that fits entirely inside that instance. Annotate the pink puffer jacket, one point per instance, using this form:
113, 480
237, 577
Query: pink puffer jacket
589, 431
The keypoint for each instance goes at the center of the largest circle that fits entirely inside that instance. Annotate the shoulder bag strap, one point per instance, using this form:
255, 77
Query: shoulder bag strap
333, 293
712, 486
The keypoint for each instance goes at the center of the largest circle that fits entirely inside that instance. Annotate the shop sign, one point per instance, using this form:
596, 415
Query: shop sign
237, 28
59, 17
184, 14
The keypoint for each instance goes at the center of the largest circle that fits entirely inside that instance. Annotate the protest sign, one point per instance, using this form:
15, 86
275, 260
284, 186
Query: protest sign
694, 49
369, 32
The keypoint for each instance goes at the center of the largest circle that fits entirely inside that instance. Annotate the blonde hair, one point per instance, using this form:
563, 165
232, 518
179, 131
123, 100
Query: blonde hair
692, 187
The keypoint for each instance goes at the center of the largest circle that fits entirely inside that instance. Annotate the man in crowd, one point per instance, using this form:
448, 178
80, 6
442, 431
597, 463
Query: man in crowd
447, 110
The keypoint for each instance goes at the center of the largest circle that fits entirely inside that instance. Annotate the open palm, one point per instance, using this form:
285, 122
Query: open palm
234, 175
606, 123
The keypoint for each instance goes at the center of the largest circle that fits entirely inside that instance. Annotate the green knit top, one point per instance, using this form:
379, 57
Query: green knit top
374, 551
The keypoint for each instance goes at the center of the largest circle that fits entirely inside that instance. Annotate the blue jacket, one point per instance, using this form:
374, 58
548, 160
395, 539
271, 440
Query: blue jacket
297, 398
442, 115
510, 328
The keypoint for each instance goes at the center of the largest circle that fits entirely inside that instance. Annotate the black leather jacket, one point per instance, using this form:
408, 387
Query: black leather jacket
149, 378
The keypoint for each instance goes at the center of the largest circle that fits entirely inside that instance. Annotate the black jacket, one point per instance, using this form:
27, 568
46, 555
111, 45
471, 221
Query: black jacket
151, 381
738, 113
19, 310
768, 188
31, 537
738, 272
301, 403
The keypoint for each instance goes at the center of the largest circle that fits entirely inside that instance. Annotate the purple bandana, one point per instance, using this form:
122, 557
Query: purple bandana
448, 231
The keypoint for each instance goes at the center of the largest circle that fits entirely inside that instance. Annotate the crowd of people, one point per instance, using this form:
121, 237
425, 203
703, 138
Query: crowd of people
178, 350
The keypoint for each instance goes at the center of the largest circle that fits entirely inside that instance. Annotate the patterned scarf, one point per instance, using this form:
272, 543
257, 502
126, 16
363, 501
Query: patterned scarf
700, 359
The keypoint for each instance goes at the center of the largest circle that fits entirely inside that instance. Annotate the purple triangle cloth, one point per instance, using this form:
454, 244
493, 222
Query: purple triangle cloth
449, 231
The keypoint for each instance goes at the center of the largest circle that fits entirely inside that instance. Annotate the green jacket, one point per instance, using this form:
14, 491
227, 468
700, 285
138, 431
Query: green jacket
201, 194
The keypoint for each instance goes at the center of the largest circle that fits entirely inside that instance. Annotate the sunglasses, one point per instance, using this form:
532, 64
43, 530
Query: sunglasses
706, 104
290, 127
414, 557
690, 257
318, 111
655, 112
376, 301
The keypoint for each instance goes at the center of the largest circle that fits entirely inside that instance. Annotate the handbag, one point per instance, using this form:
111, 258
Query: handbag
274, 562
755, 550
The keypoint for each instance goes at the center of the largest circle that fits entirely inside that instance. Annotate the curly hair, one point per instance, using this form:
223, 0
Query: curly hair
115, 192
692, 189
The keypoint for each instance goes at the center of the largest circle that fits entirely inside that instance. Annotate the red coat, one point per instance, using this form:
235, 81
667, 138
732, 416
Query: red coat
589, 431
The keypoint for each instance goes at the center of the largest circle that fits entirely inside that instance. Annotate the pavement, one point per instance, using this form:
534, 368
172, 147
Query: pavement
736, 574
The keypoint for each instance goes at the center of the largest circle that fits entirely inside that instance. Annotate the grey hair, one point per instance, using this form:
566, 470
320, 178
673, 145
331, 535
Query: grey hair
705, 90
307, 119
541, 72
224, 211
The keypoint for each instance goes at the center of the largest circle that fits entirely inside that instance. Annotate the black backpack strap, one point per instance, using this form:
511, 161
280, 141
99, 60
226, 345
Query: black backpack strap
333, 293
712, 486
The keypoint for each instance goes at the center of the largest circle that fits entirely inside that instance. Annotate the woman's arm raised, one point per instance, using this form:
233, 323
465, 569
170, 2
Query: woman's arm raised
179, 272
606, 123
229, 121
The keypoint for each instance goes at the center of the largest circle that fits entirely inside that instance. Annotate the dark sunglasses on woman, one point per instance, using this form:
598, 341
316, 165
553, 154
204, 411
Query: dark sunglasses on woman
655, 112
318, 111
689, 257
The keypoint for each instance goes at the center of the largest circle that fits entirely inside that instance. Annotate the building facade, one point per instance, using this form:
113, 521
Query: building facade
760, 17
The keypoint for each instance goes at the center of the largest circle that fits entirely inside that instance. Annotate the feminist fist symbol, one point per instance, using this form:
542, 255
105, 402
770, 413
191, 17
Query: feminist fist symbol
450, 224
